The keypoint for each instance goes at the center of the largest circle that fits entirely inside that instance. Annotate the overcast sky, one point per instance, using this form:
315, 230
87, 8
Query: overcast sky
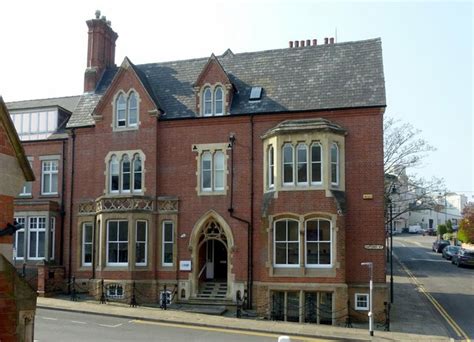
427, 50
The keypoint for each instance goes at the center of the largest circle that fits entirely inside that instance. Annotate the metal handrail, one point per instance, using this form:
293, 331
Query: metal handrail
202, 270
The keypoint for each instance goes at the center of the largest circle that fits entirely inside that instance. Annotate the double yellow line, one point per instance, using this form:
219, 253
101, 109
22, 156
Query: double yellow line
457, 329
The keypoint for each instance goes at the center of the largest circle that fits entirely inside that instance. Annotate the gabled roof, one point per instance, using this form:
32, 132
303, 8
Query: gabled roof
68, 103
212, 60
332, 76
10, 131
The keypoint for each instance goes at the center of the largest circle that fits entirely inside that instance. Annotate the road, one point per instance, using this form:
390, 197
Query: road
450, 286
52, 325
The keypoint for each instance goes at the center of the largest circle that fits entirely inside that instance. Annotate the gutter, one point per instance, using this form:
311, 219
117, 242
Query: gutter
73, 146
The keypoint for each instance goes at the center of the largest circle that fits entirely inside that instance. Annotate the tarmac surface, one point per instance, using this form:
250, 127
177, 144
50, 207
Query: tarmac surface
413, 317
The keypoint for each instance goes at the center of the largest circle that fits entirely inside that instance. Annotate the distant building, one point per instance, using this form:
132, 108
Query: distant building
254, 175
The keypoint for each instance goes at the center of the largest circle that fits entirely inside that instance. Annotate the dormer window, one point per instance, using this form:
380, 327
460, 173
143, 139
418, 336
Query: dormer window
213, 101
126, 110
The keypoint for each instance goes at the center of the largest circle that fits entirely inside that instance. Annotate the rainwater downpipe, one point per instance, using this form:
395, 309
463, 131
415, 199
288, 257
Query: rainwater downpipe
249, 223
73, 138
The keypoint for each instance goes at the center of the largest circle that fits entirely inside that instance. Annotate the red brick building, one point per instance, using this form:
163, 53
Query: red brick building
256, 174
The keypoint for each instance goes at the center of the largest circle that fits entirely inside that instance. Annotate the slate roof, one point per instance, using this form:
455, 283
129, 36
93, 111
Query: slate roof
341, 75
68, 102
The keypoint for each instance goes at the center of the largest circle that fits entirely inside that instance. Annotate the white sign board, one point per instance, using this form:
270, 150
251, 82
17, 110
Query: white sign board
185, 265
373, 246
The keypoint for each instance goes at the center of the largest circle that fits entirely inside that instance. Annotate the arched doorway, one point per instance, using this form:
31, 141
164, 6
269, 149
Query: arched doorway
212, 249
211, 244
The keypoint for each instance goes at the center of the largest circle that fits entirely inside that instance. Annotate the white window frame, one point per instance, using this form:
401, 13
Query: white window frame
271, 167
321, 168
123, 173
297, 164
356, 302
52, 237
118, 241
121, 107
145, 242
216, 173
164, 242
114, 164
336, 163
129, 109
84, 243
49, 173
22, 230
37, 230
318, 265
207, 189
137, 158
206, 102
292, 183
286, 241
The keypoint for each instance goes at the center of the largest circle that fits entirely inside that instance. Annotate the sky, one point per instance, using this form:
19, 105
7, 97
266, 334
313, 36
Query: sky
427, 52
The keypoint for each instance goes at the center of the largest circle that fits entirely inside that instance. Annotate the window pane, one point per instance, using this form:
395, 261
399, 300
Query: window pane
280, 253
26, 124
52, 121
87, 233
293, 305
123, 252
288, 154
140, 252
333, 173
207, 102
324, 253
219, 101
132, 109
312, 252
324, 230
123, 231
310, 307
137, 176
168, 232
168, 253
20, 244
54, 182
113, 231
280, 231
113, 247
316, 172
288, 173
121, 106
293, 253
141, 231
46, 183
293, 231
88, 253
312, 230
32, 244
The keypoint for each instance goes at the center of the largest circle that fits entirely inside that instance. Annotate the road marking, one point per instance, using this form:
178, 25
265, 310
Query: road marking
457, 329
111, 326
49, 318
230, 331
79, 322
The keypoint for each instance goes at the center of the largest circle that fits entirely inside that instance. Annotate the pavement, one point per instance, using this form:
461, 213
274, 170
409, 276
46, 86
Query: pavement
413, 318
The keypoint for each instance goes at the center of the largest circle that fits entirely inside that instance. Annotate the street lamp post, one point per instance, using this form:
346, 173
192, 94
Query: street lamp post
370, 265
391, 252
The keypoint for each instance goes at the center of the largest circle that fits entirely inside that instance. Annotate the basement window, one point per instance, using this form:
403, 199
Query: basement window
255, 94
115, 291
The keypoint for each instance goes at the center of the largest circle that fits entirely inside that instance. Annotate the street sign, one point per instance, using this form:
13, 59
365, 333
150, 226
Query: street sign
373, 246
185, 265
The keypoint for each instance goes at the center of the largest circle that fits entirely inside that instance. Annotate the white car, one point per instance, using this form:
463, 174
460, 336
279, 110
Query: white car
414, 229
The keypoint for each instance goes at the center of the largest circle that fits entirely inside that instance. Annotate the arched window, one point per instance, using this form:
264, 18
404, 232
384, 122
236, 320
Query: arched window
132, 109
219, 101
219, 170
121, 108
114, 174
271, 168
302, 164
207, 103
137, 173
126, 174
206, 171
318, 242
287, 164
334, 164
286, 249
316, 164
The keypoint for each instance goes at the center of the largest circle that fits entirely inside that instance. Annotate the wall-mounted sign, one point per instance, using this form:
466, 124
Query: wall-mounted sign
373, 246
367, 196
185, 265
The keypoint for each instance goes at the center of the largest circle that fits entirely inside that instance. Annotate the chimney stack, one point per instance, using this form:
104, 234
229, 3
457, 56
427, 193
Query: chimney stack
297, 44
100, 50
315, 42
331, 40
326, 40
291, 44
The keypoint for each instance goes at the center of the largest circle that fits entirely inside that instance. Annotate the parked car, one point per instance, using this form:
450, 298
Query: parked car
449, 251
439, 245
414, 229
464, 257
431, 232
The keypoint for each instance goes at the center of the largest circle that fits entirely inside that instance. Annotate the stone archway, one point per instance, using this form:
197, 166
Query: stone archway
211, 230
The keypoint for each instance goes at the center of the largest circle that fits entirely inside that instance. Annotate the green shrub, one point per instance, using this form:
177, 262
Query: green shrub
442, 229
449, 226
448, 236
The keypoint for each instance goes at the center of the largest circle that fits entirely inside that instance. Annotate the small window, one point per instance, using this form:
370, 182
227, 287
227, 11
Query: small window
132, 109
334, 164
318, 242
271, 168
36, 240
137, 173
115, 291
219, 171
126, 174
302, 164
316, 164
114, 174
49, 177
19, 240
219, 101
87, 244
117, 243
362, 301
288, 164
168, 241
207, 107
141, 243
206, 171
121, 111
286, 243
52, 235
255, 94
165, 297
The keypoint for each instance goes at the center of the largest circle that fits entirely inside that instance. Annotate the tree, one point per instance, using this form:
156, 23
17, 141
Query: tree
442, 230
449, 226
466, 226
404, 149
